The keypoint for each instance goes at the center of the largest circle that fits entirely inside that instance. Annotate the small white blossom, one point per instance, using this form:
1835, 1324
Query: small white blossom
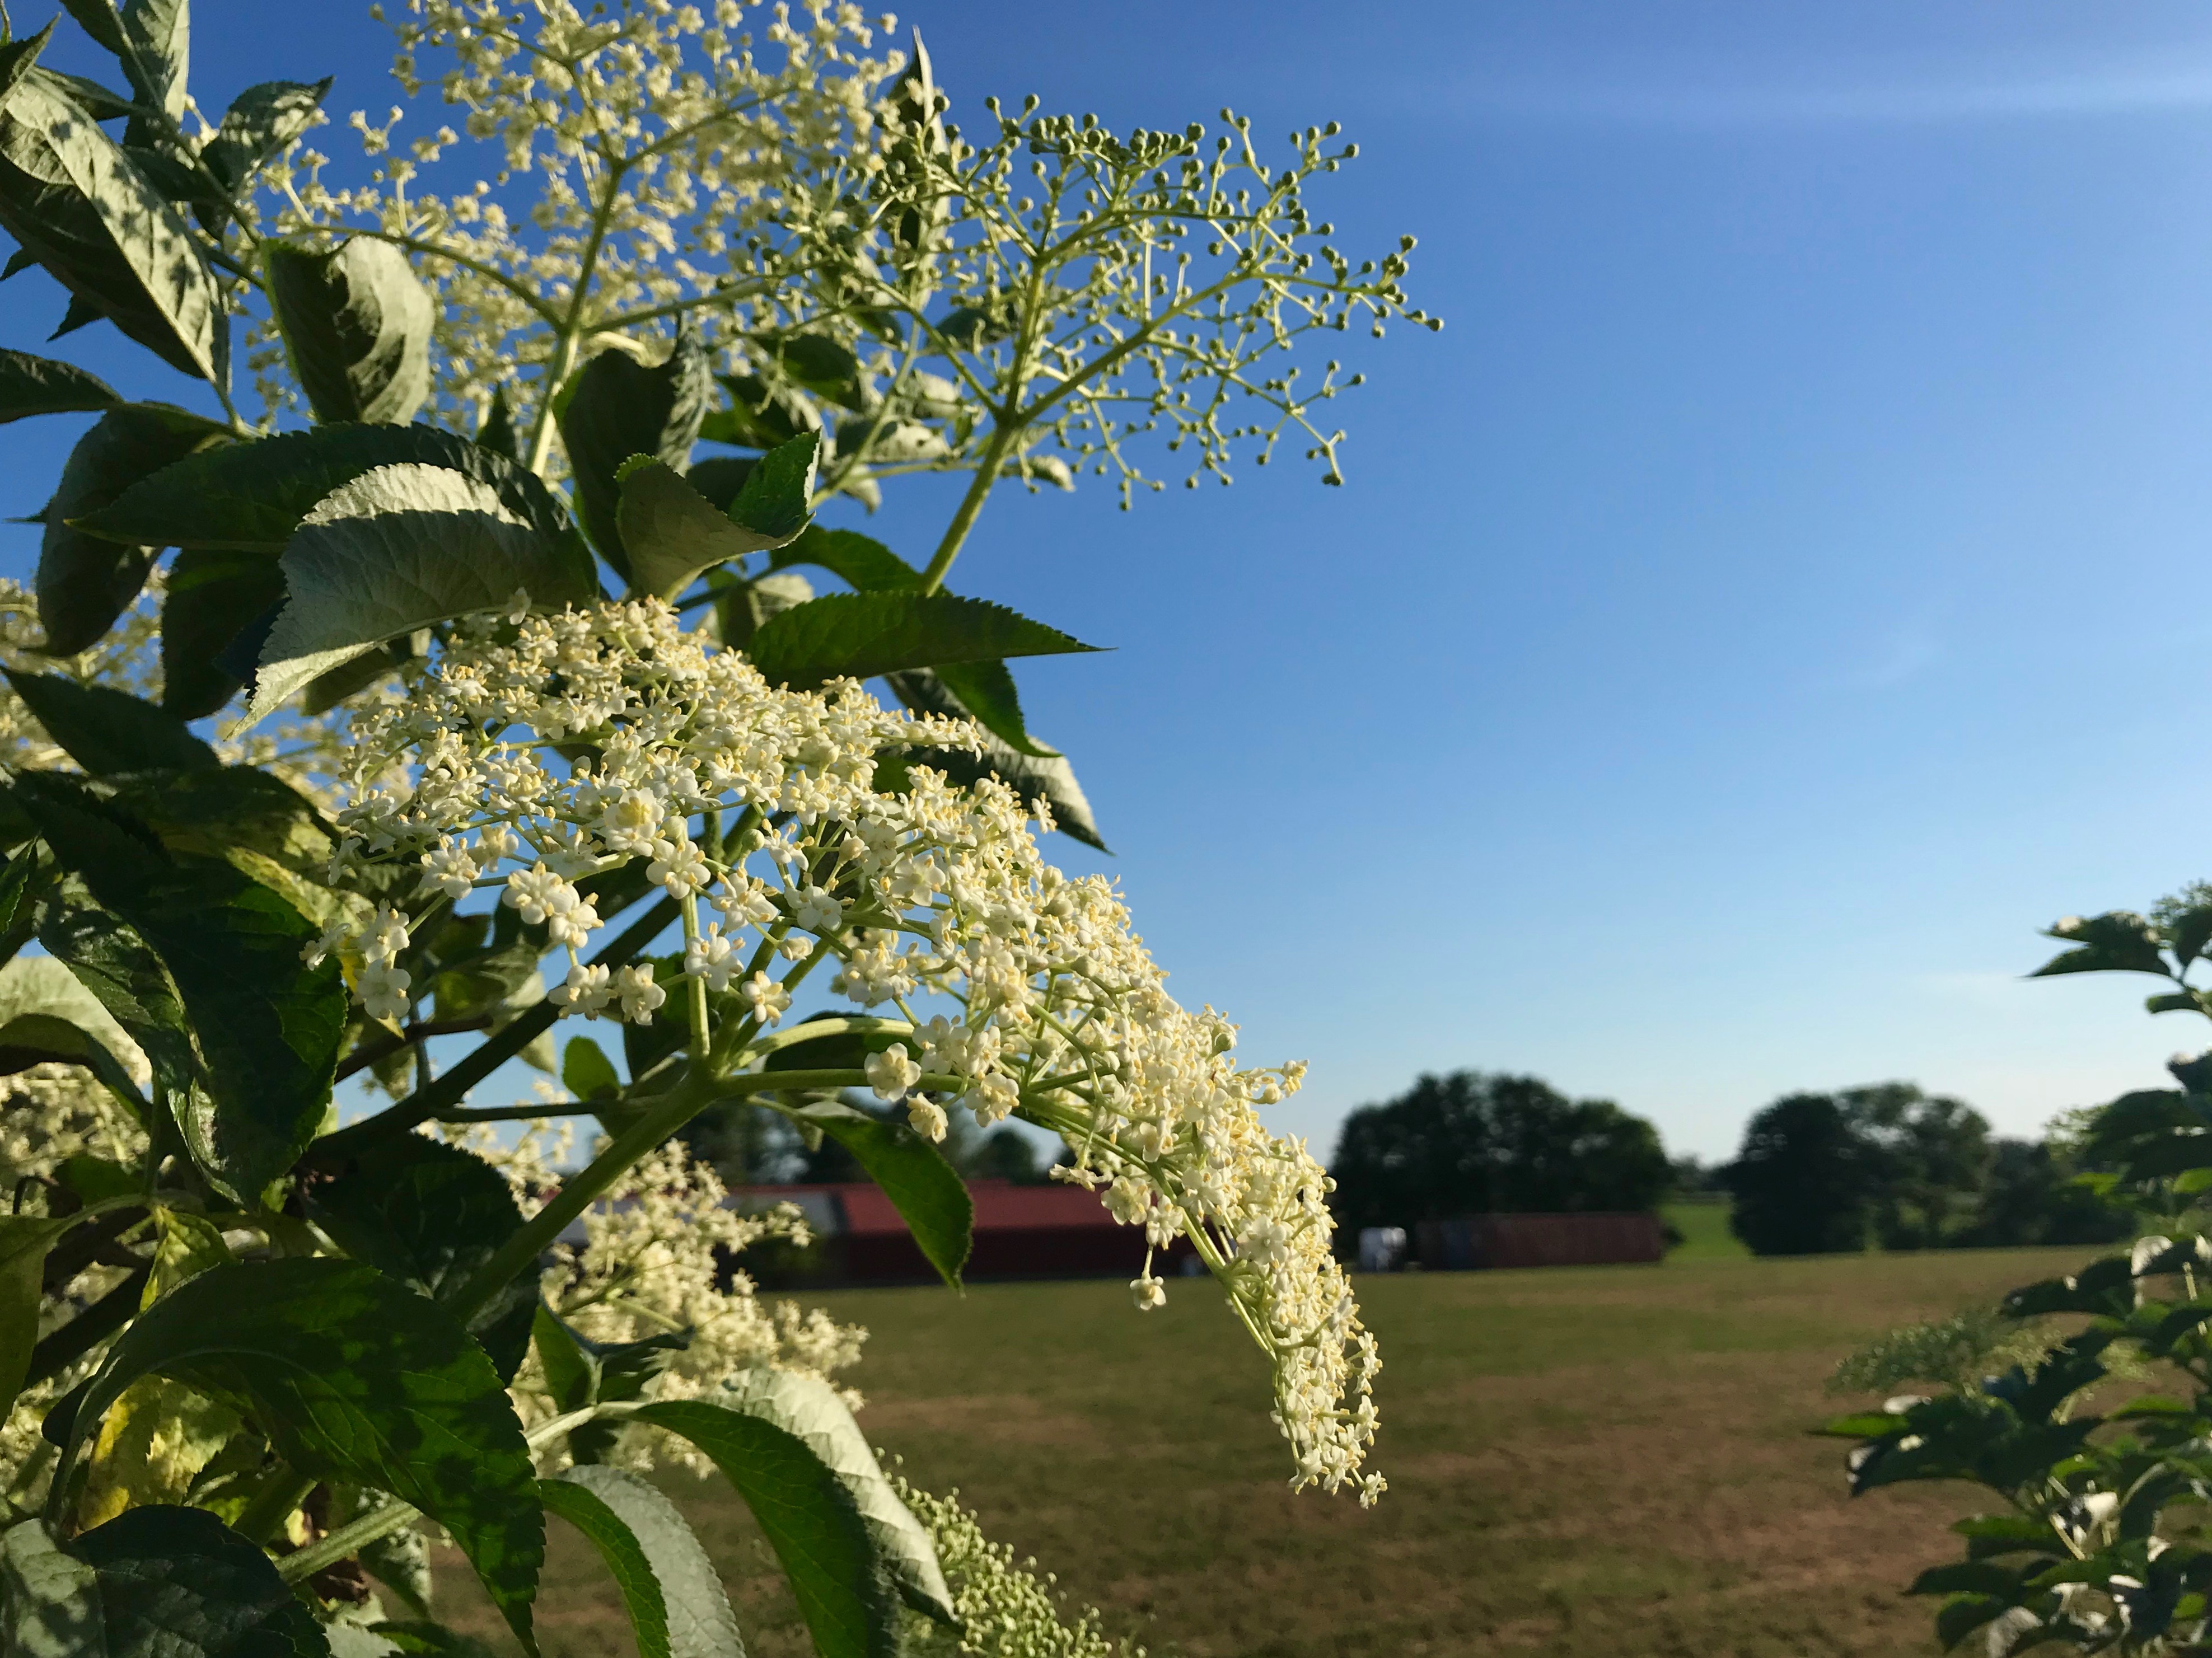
770, 1001
891, 1073
383, 989
817, 912
639, 994
586, 990
711, 957
447, 868
925, 1117
1148, 1293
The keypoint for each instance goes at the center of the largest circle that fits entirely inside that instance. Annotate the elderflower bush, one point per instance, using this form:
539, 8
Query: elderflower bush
1057, 1010
526, 719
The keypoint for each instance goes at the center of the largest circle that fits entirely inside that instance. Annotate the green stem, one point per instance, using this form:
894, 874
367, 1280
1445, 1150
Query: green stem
281, 1493
443, 1095
971, 506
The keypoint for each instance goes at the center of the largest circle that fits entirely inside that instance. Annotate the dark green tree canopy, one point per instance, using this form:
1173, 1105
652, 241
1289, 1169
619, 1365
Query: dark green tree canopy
1477, 1142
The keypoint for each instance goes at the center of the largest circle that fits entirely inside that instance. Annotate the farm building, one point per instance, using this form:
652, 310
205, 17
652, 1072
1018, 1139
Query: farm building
1050, 1231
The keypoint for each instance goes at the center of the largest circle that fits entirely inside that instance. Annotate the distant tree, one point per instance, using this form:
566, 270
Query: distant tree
1007, 1154
2030, 1197
1805, 1178
1932, 1163
1471, 1143
1691, 1176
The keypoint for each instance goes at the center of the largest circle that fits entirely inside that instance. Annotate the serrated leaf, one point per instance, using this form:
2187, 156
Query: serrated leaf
85, 581
427, 1214
672, 532
619, 408
791, 1448
105, 729
987, 690
356, 324
252, 497
857, 635
677, 1605
47, 1016
156, 1583
213, 597
267, 1026
581, 1371
396, 549
41, 385
1044, 785
931, 1198
71, 198
97, 19
864, 564
260, 121
354, 1378
774, 499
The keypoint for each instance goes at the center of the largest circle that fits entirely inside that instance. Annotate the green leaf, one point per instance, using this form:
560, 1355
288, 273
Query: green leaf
858, 636
105, 729
156, 1583
85, 581
122, 970
587, 1072
620, 407
1044, 785
250, 497
581, 1372
260, 121
719, 477
427, 1214
495, 431
157, 52
268, 1026
2119, 941
987, 690
396, 549
672, 532
40, 385
97, 18
774, 499
19, 58
356, 324
354, 1378
676, 1602
428, 1640
791, 1448
74, 201
46, 1015
213, 597
862, 562
24, 1240
930, 1197
760, 416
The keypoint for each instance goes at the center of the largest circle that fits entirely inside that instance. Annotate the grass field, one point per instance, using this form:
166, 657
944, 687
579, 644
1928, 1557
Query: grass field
1606, 1459
1705, 1235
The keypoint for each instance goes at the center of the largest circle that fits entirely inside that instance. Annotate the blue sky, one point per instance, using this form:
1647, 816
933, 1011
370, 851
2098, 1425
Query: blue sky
1781, 589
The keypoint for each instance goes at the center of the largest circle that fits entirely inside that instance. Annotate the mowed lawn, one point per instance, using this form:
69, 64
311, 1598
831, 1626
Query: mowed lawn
1590, 1460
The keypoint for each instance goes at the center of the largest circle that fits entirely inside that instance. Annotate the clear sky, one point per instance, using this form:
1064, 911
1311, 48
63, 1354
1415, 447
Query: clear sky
1781, 589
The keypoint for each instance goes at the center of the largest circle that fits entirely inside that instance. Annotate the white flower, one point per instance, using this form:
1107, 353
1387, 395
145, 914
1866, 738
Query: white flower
925, 1116
890, 1073
992, 1099
678, 867
818, 913
640, 995
386, 938
338, 935
517, 605
448, 868
383, 990
769, 1000
711, 957
586, 990
743, 903
1148, 1293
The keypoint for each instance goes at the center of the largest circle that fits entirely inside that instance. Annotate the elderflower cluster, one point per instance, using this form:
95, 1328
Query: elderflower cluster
654, 1257
1006, 1610
660, 137
533, 755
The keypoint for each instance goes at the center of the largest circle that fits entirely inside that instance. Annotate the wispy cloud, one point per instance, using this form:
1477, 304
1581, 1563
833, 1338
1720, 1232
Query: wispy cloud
1734, 103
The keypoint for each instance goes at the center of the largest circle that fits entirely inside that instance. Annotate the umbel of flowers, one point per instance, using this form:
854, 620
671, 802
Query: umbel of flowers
804, 837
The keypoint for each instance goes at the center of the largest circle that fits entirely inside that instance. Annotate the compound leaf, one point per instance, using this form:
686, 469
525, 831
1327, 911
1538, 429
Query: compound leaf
354, 1378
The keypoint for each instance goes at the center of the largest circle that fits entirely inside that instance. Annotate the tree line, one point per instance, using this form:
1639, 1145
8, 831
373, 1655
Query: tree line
1885, 1165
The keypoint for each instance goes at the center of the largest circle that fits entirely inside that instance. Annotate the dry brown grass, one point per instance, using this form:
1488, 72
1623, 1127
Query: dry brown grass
1593, 1460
